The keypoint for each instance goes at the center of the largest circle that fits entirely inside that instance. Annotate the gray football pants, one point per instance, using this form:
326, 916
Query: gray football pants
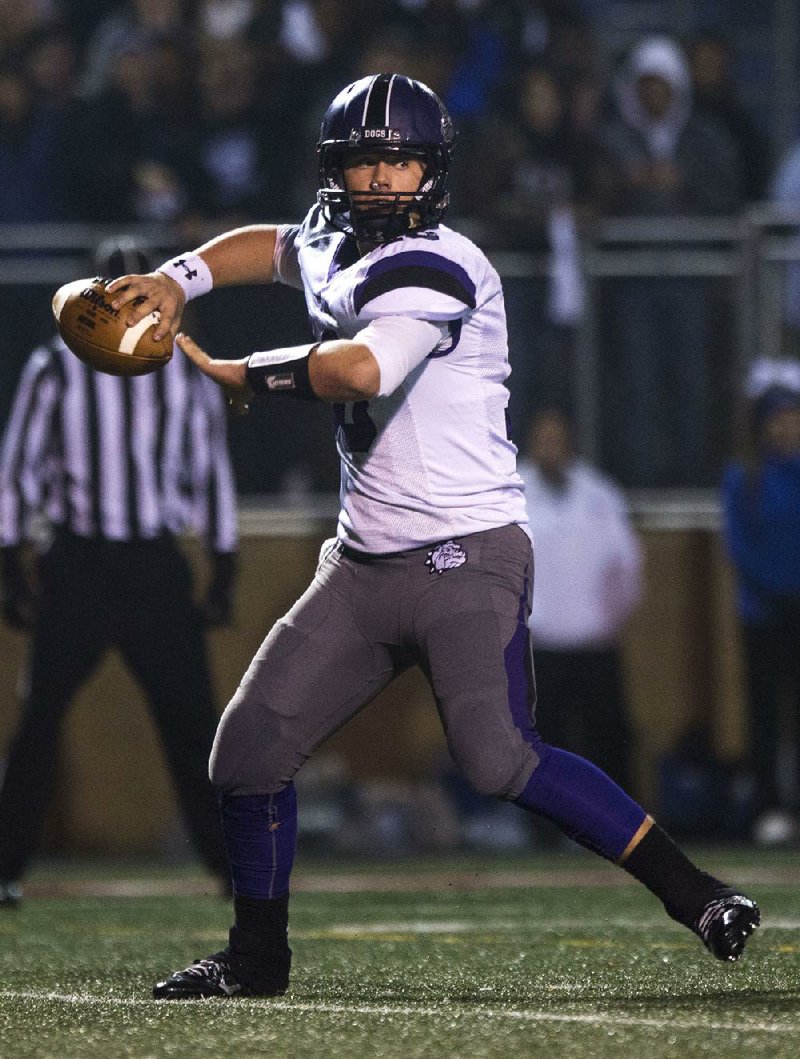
363, 621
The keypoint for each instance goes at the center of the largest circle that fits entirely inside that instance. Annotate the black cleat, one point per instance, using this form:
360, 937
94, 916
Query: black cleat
204, 978
726, 923
10, 895
214, 976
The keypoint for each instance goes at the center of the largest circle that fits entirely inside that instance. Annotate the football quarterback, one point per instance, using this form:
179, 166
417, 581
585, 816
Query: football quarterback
432, 563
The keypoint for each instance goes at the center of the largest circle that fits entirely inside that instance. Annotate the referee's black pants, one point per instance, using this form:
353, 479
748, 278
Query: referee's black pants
581, 707
138, 598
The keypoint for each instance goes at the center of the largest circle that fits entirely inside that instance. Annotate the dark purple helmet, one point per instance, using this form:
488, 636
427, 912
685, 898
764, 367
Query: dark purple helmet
392, 113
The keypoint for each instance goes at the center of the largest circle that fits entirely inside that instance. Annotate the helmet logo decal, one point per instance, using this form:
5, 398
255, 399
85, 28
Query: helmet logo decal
383, 135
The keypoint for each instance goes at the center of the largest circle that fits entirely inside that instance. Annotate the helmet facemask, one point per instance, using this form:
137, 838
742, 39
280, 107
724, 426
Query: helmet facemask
380, 216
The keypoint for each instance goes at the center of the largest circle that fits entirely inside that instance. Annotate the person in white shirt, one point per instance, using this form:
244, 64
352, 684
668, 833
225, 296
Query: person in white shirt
432, 561
588, 583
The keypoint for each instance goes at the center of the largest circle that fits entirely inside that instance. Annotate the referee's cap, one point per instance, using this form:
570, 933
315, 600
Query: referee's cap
122, 255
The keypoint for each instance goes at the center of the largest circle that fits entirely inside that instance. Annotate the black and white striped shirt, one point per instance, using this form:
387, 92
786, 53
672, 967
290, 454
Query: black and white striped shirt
115, 458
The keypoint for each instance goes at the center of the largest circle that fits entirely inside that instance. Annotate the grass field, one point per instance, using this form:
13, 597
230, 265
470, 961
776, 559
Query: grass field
546, 956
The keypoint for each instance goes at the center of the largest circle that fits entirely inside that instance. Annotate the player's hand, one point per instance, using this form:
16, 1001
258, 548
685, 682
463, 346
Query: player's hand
139, 295
231, 375
217, 606
19, 611
18, 598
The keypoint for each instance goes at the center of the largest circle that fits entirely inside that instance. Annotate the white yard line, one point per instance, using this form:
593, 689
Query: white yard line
446, 1011
483, 925
419, 926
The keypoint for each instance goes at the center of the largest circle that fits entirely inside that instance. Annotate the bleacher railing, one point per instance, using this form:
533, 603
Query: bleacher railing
745, 258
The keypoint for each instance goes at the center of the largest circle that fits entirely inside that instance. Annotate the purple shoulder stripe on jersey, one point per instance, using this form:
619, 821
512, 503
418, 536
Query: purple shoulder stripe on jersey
415, 268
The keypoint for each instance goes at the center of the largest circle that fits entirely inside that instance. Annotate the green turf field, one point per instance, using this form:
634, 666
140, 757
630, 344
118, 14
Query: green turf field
439, 959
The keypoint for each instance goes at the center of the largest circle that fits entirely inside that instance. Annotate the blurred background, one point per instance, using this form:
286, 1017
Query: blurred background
632, 168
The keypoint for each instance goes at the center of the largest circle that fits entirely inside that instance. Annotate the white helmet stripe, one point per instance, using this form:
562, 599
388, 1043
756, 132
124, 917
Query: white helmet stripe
389, 100
366, 101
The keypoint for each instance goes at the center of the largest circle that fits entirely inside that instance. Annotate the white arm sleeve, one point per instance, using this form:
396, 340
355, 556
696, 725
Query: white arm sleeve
399, 344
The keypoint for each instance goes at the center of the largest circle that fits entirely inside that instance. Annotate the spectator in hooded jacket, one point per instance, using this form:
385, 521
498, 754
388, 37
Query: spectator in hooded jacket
666, 161
669, 159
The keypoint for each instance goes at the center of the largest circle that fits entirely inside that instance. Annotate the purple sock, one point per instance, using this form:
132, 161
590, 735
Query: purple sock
260, 835
583, 801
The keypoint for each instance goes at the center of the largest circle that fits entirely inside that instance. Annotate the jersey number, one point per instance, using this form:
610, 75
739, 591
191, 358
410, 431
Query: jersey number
361, 431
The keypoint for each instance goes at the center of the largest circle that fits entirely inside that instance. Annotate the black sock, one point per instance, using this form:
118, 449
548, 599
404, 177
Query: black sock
265, 918
668, 873
258, 944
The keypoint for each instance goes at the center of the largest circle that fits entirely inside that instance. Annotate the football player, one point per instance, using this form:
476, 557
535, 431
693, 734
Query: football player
432, 562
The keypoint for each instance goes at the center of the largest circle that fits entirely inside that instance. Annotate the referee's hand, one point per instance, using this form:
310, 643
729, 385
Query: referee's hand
231, 375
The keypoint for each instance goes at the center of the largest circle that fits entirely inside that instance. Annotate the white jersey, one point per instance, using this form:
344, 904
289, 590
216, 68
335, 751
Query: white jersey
432, 460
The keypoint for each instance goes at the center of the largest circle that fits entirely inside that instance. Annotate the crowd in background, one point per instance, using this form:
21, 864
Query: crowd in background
194, 116
196, 110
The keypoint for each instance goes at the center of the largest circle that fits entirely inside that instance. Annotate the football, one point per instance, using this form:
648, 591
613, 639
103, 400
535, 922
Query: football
97, 334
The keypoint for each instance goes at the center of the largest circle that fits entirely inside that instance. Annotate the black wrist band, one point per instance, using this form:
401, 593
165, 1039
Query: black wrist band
267, 375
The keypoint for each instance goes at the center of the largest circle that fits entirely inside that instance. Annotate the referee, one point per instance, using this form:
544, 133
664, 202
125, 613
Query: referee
117, 466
